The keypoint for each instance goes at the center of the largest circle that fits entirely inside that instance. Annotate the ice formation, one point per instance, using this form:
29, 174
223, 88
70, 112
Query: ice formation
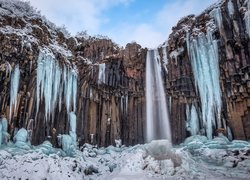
52, 81
21, 139
196, 158
216, 14
230, 7
157, 113
165, 58
3, 131
247, 17
101, 73
14, 85
203, 52
72, 123
192, 120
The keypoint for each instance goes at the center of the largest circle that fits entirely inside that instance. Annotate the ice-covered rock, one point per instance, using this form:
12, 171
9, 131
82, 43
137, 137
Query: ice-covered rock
68, 144
46, 147
90, 170
195, 142
162, 150
72, 123
21, 138
118, 142
159, 149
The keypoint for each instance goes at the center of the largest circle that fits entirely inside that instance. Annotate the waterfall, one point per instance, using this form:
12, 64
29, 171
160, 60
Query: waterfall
156, 108
14, 85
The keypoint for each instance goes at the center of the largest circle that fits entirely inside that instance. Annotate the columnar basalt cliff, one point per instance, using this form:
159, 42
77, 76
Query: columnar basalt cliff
110, 96
215, 43
206, 70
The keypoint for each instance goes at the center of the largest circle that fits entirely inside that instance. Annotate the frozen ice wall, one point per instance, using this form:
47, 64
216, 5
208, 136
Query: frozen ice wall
203, 52
193, 124
156, 108
14, 85
72, 123
54, 81
247, 17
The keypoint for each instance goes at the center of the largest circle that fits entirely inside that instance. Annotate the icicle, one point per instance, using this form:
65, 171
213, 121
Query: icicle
101, 73
52, 82
203, 52
194, 121
216, 14
230, 7
8, 69
70, 89
72, 123
165, 58
229, 133
247, 18
15, 77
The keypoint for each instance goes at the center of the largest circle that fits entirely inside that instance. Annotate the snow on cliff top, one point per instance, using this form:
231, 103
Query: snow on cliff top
23, 10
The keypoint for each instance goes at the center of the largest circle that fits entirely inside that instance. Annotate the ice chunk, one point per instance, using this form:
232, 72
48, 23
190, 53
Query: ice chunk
46, 147
118, 142
21, 135
14, 85
21, 138
4, 136
159, 149
196, 138
68, 145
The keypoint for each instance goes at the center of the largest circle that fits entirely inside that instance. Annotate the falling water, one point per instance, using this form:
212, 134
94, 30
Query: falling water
157, 113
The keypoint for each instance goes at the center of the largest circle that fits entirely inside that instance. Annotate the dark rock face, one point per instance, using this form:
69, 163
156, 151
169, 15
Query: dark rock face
110, 109
111, 80
233, 45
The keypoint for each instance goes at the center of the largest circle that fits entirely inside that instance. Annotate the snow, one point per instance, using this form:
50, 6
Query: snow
14, 85
216, 14
174, 54
228, 161
17, 8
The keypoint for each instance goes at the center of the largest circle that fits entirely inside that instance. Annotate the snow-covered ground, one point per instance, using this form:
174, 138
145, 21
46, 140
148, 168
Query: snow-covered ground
196, 158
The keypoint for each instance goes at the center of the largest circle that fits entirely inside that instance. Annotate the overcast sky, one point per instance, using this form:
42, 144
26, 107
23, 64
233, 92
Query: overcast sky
148, 22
